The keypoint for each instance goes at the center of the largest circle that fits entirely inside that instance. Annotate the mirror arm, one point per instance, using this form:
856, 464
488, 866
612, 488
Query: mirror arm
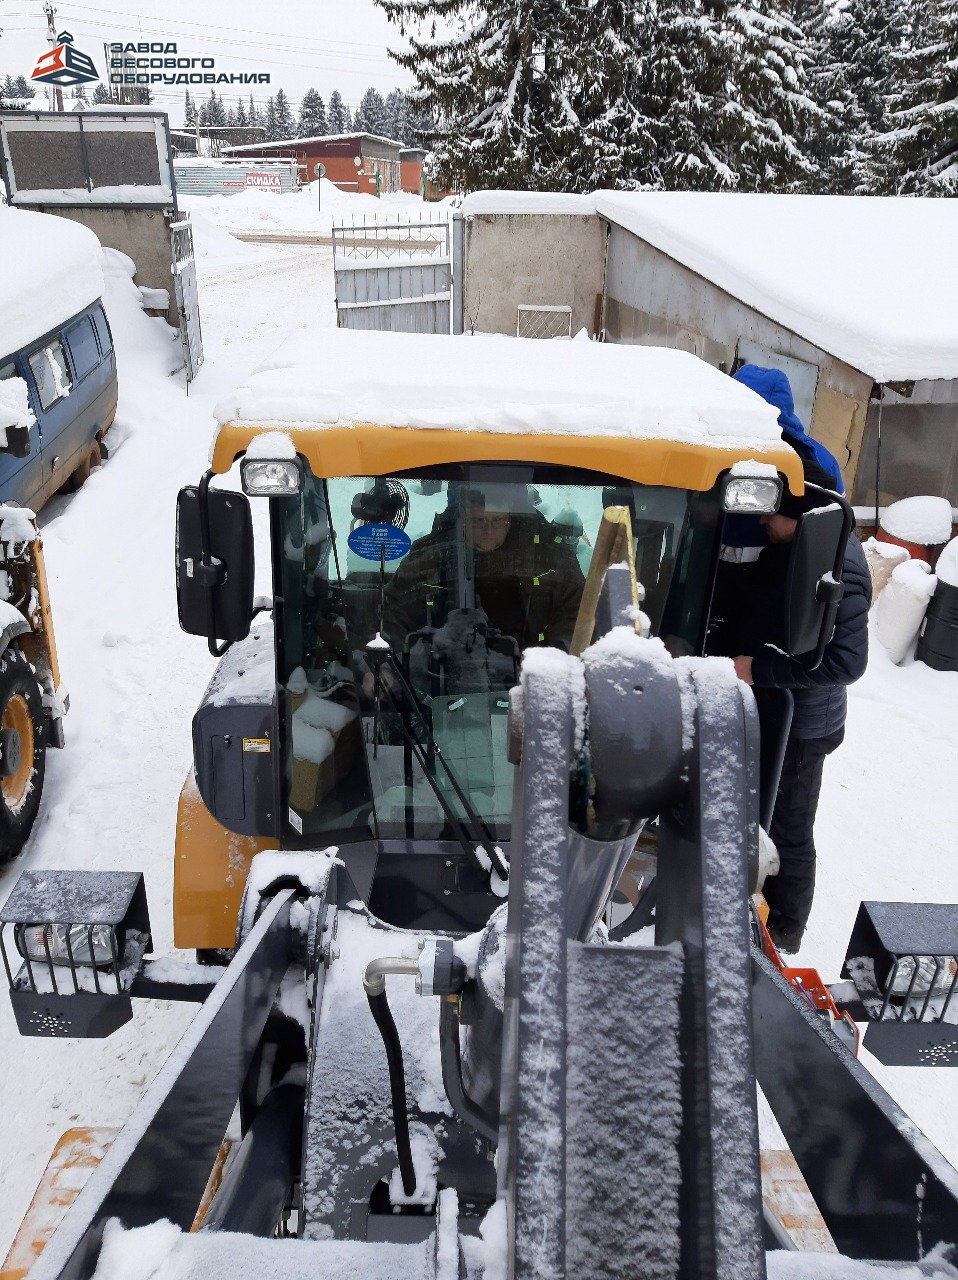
210, 570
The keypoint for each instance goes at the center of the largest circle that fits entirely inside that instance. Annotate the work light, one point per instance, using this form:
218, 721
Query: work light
752, 495
271, 477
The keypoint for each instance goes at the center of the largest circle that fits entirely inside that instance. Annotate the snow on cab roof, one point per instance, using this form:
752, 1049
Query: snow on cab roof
869, 279
51, 270
493, 383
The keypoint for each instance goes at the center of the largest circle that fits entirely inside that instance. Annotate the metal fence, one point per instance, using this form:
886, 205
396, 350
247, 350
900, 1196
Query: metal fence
187, 297
393, 275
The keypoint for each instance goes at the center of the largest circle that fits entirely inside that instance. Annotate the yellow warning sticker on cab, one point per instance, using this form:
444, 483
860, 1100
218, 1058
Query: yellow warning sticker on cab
256, 744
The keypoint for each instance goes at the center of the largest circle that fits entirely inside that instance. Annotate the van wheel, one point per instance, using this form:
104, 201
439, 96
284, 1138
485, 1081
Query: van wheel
81, 474
22, 752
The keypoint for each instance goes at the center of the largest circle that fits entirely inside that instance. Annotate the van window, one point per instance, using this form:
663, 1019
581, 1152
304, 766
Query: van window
50, 372
82, 343
103, 331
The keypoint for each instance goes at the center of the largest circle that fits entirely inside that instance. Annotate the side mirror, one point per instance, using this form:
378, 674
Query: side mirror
214, 564
18, 442
815, 575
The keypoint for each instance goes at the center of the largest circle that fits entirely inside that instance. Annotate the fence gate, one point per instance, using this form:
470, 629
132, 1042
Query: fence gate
187, 297
393, 275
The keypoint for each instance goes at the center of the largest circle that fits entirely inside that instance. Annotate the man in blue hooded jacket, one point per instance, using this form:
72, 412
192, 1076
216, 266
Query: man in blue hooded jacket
752, 632
744, 537
773, 385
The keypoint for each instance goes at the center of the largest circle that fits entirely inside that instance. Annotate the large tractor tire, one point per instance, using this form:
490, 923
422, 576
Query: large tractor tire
81, 473
22, 751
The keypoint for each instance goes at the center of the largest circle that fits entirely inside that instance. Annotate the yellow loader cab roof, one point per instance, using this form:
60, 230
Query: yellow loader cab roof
360, 403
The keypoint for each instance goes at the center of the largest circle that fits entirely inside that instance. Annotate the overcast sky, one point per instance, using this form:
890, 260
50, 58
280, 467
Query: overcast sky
327, 44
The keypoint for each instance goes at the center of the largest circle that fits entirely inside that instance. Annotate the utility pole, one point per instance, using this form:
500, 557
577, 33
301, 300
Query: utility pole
54, 93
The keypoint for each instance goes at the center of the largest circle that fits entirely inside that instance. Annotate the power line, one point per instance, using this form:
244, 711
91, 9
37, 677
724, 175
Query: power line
221, 27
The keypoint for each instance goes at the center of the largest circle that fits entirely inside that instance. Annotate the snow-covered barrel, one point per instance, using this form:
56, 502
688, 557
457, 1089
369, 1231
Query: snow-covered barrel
938, 639
922, 525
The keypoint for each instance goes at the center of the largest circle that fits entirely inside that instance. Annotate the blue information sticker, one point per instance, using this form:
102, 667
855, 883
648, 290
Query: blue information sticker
369, 540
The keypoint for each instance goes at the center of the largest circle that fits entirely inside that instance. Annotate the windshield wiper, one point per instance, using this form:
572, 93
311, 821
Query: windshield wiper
380, 654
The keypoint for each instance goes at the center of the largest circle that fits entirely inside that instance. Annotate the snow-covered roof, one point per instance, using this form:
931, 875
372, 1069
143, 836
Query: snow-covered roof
871, 280
51, 270
619, 398
526, 202
325, 137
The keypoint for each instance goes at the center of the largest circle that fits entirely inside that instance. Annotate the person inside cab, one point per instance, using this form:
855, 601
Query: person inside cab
493, 574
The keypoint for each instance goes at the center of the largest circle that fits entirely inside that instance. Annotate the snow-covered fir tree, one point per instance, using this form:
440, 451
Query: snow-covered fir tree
242, 119
24, 88
213, 112
498, 81
189, 112
269, 120
336, 115
766, 112
312, 116
866, 40
394, 115
285, 124
254, 115
919, 151
372, 112
101, 95
615, 81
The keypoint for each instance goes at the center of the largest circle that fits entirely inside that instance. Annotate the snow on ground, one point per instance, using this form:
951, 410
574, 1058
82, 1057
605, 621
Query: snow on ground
889, 808
134, 678
306, 211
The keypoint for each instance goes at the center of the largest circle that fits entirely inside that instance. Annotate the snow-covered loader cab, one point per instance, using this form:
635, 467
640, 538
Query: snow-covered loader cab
417, 788
32, 699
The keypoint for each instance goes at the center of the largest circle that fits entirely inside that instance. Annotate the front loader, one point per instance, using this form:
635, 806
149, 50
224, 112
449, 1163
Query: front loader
429, 1038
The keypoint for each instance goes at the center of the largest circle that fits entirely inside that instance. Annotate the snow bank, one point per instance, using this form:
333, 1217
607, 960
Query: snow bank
502, 384
306, 211
135, 335
51, 270
901, 607
811, 263
925, 521
946, 569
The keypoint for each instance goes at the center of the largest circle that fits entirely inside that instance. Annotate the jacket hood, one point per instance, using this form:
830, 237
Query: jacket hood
772, 385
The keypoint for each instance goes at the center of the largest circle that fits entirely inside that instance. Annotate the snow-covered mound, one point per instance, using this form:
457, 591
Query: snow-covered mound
923, 521
51, 270
882, 558
306, 211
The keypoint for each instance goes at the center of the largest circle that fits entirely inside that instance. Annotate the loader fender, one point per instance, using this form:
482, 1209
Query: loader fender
14, 628
210, 867
75, 1156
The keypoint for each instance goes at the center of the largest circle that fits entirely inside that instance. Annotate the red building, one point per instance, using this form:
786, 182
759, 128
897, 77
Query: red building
353, 161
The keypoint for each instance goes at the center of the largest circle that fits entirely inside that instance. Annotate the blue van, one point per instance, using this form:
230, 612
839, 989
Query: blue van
71, 381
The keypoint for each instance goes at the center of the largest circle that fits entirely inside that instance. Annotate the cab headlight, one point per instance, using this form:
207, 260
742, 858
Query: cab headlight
271, 477
752, 495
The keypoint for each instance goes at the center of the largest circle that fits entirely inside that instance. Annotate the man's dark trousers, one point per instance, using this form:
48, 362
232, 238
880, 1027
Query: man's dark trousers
790, 893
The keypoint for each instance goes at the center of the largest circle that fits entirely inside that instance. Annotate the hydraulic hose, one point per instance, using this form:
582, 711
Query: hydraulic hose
451, 1059
374, 982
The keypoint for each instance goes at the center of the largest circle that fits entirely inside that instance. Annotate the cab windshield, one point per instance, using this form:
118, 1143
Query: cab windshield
441, 579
